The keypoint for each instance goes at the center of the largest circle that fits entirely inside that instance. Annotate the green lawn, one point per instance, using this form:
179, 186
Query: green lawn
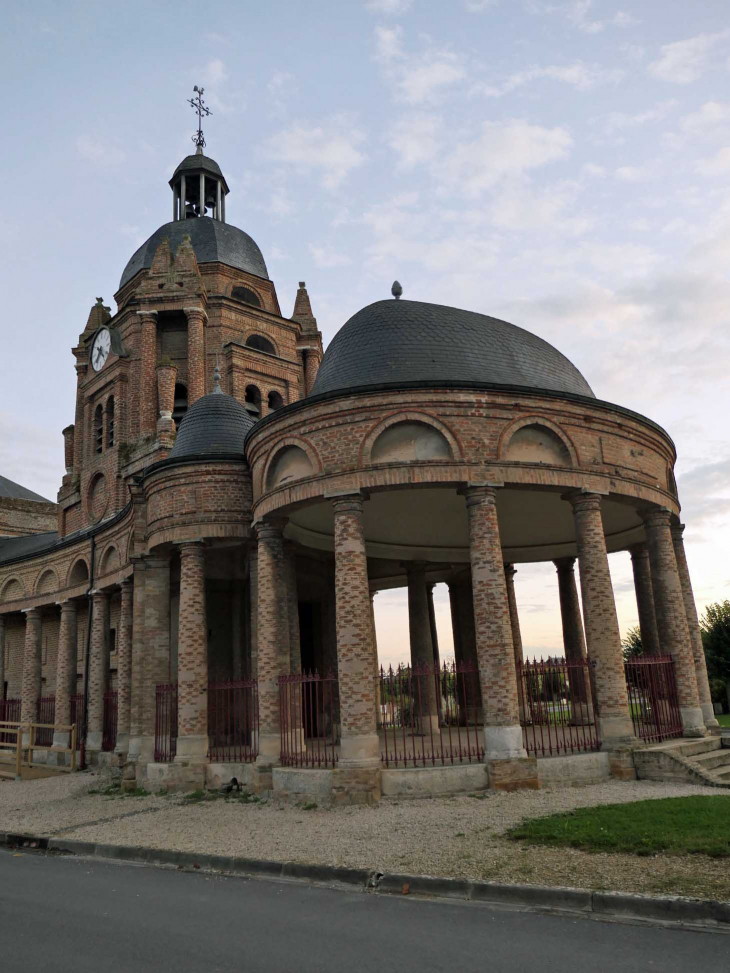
676, 825
724, 719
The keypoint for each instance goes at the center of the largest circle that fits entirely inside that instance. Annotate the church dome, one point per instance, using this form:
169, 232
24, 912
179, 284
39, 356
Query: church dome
214, 425
408, 343
213, 242
197, 163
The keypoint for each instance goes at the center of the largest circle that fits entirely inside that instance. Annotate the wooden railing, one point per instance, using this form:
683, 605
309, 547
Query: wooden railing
21, 752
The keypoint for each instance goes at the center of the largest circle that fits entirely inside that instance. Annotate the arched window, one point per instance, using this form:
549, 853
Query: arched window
110, 422
246, 295
99, 429
180, 404
253, 401
275, 401
259, 343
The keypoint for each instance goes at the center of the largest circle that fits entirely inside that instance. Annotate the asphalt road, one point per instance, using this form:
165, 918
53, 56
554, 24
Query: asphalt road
84, 916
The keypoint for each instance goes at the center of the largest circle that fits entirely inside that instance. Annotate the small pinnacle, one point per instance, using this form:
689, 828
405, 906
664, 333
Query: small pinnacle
302, 284
100, 300
396, 290
217, 379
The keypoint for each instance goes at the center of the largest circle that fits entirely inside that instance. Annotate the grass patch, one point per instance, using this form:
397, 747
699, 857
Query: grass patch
724, 719
235, 797
677, 826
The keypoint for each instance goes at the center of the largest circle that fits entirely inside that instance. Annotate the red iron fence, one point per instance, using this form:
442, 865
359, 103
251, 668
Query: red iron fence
45, 713
9, 713
77, 717
233, 721
430, 715
109, 725
309, 704
165, 723
557, 707
652, 688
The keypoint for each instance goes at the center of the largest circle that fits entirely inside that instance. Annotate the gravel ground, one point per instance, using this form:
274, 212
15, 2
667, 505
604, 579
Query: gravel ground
458, 836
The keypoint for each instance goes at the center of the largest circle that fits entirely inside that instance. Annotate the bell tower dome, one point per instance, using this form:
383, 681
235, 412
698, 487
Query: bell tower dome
197, 184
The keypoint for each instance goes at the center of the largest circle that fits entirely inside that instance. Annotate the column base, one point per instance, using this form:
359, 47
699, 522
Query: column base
708, 715
693, 721
93, 741
503, 743
428, 725
122, 746
621, 763
360, 752
269, 754
61, 738
515, 774
192, 748
615, 732
356, 785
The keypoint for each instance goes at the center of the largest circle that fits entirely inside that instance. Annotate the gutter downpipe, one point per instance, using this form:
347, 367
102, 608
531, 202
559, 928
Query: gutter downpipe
85, 723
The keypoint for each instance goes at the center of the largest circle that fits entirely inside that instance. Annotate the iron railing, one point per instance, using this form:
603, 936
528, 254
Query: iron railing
9, 713
652, 689
233, 721
77, 717
309, 732
165, 722
557, 707
430, 715
45, 713
109, 724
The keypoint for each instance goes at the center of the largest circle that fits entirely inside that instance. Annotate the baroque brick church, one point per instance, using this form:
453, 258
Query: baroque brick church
200, 599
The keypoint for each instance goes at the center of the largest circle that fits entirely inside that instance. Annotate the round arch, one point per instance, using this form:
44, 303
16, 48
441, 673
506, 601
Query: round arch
396, 418
532, 448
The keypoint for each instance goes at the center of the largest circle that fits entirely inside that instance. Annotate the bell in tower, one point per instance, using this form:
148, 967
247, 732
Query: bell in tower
198, 186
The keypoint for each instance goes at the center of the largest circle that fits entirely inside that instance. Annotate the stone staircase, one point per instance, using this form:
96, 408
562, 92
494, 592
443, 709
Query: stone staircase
704, 761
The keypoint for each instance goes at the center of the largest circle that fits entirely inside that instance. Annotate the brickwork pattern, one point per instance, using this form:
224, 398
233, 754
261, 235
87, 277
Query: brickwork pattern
166, 378
574, 642
136, 707
355, 648
670, 606
31, 665
147, 363
98, 667
492, 625
292, 603
690, 609
253, 610
273, 628
509, 576
156, 629
66, 663
419, 629
645, 600
196, 353
124, 660
192, 660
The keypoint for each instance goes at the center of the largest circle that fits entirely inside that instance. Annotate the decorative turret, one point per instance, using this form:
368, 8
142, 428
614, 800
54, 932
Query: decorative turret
198, 186
98, 315
302, 312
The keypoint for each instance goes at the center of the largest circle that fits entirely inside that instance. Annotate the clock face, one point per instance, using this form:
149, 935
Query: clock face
100, 349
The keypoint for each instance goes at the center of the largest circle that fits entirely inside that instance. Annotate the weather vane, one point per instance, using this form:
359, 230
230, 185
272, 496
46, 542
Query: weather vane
201, 109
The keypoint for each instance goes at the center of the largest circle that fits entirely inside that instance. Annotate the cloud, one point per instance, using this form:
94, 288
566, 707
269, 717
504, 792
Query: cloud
617, 120
100, 150
579, 13
327, 259
479, 6
215, 72
502, 149
711, 117
705, 491
684, 61
716, 165
582, 76
330, 149
518, 206
634, 173
391, 7
414, 139
416, 78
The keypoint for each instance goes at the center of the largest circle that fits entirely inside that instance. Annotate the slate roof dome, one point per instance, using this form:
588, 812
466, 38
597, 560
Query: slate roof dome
214, 425
197, 161
14, 491
409, 342
213, 242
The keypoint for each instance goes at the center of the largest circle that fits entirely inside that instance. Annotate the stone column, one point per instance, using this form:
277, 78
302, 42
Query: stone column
192, 657
671, 619
166, 375
65, 672
124, 666
455, 620
98, 669
31, 666
137, 740
509, 576
273, 637
375, 658
2, 658
493, 630
253, 574
292, 602
156, 649
602, 635
419, 627
645, 599
432, 626
359, 748
465, 651
237, 624
147, 382
68, 449
693, 624
196, 353
574, 642
311, 367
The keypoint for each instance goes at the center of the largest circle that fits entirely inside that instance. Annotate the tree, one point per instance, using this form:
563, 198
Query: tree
632, 645
715, 626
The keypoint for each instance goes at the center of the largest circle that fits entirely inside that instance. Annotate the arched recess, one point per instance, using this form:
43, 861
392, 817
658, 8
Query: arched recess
293, 459
245, 294
78, 574
47, 581
110, 560
12, 590
252, 401
533, 439
110, 440
409, 437
261, 343
275, 400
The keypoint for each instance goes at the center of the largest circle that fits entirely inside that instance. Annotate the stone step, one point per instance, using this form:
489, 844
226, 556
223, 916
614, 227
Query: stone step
692, 747
721, 775
713, 759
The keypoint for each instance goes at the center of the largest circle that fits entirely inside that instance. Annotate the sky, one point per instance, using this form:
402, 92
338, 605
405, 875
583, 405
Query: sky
564, 165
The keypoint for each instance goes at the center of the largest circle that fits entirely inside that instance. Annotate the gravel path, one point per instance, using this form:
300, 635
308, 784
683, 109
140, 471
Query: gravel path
458, 836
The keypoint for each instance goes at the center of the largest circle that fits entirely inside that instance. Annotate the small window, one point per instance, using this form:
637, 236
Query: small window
253, 401
275, 401
246, 295
180, 404
112, 641
99, 429
259, 343
110, 422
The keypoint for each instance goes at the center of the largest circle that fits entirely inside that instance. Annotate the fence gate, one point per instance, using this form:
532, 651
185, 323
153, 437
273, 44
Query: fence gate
652, 689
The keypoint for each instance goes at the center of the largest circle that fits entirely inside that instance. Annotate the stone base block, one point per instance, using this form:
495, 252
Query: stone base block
433, 781
302, 784
176, 776
352, 785
574, 770
55, 759
621, 763
693, 722
519, 773
218, 775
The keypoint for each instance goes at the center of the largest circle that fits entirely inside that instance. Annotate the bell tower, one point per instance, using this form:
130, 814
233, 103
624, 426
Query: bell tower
198, 186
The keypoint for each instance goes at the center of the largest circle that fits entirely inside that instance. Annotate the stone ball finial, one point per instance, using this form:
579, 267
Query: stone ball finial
302, 284
396, 290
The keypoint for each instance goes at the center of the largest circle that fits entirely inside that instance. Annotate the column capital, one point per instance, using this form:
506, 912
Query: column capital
564, 564
67, 606
415, 567
656, 516
188, 311
510, 570
100, 594
348, 503
127, 584
31, 613
147, 313
476, 495
639, 552
677, 531
271, 528
583, 499
194, 549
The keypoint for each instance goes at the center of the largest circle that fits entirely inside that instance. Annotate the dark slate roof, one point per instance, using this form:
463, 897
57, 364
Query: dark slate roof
213, 241
198, 162
12, 547
17, 492
393, 342
215, 424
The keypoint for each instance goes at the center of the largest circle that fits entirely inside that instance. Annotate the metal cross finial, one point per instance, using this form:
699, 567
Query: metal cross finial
201, 109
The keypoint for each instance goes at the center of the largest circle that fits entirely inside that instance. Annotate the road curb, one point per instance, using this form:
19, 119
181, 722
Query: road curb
665, 909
